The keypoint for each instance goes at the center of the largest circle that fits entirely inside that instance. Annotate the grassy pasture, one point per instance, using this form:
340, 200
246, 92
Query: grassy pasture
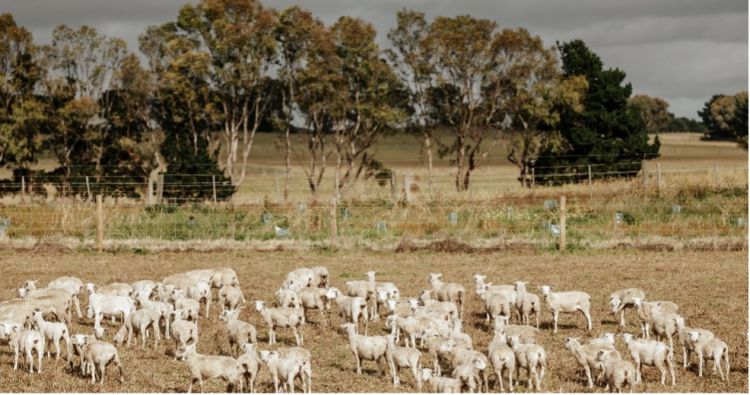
711, 289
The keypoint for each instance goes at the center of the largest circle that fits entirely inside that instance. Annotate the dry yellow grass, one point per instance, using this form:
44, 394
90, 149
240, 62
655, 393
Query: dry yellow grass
710, 287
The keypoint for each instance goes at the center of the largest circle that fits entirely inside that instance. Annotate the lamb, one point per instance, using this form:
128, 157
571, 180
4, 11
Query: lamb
527, 334
369, 348
287, 298
502, 358
403, 357
617, 371
650, 352
281, 318
352, 308
73, 286
207, 367
189, 307
249, 365
240, 332
711, 349
230, 297
448, 292
447, 308
567, 302
143, 289
222, 276
300, 278
284, 368
665, 324
26, 342
100, 304
54, 331
165, 311
183, 332
304, 357
622, 299
643, 310
585, 355
7, 329
434, 344
120, 289
466, 373
102, 354
461, 354
141, 320
365, 290
687, 345
437, 384
200, 292
495, 305
527, 303
312, 298
531, 357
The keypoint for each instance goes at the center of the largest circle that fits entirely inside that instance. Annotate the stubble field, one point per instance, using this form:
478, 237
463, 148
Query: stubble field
710, 287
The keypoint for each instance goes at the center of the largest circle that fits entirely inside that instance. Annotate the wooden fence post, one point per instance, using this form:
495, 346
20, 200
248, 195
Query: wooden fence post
160, 188
407, 187
644, 174
99, 224
562, 223
150, 192
334, 222
716, 175
658, 178
533, 178
394, 187
88, 189
213, 183
23, 187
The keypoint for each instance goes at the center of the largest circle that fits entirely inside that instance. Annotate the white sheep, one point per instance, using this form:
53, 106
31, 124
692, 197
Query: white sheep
351, 308
617, 371
165, 312
460, 354
369, 348
101, 354
207, 367
190, 307
121, 289
403, 357
54, 331
622, 299
287, 298
200, 292
300, 278
503, 359
401, 308
643, 310
531, 357
466, 373
495, 305
447, 292
585, 355
72, 285
687, 345
304, 357
141, 320
569, 302
664, 324
239, 332
313, 298
526, 333
711, 349
286, 369
437, 384
143, 289
183, 332
449, 309
113, 305
434, 345
527, 303
652, 353
250, 365
281, 318
27, 342
365, 289
230, 297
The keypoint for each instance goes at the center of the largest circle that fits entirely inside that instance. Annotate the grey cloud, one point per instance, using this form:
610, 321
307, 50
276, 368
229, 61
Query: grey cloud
681, 50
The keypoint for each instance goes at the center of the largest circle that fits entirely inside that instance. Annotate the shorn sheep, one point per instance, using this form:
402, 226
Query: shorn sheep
441, 385
369, 348
569, 302
503, 359
206, 367
403, 357
652, 353
617, 371
54, 331
711, 349
281, 318
531, 357
622, 299
585, 355
447, 292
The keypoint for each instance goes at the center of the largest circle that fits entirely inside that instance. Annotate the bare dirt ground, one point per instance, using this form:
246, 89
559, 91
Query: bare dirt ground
711, 289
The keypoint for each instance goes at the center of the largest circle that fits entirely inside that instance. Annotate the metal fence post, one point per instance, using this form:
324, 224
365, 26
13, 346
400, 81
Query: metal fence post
99, 224
562, 223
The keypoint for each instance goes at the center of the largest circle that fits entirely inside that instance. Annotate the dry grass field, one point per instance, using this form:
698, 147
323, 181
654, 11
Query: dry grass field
710, 287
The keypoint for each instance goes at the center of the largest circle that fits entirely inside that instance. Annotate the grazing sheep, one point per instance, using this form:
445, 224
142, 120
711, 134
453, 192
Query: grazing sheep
143, 289
569, 302
73, 286
230, 297
284, 368
617, 371
281, 318
652, 353
461, 354
48, 300
351, 308
287, 298
527, 334
54, 331
27, 342
437, 384
585, 355
448, 292
687, 345
249, 365
200, 292
527, 303
622, 299
304, 357
207, 367
190, 307
369, 348
711, 349
141, 320
502, 358
664, 324
300, 278
313, 298
99, 353
240, 332
222, 276
643, 310
403, 357
495, 305
165, 312
100, 304
183, 332
531, 357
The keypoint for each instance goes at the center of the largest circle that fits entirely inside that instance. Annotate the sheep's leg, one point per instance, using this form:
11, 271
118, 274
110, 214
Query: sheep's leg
587, 315
359, 363
700, 365
555, 315
717, 365
296, 336
270, 336
685, 357
102, 369
670, 365
93, 372
511, 371
56, 341
588, 376
662, 371
499, 375
30, 360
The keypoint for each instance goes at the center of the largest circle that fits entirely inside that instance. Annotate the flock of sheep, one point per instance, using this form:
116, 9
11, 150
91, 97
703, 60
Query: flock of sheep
430, 324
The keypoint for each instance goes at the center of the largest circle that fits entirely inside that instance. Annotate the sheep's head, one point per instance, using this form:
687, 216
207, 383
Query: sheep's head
37, 315
637, 302
348, 327
248, 348
90, 288
520, 286
227, 315
22, 293
268, 355
500, 337
371, 275
6, 329
571, 342
79, 340
426, 374
514, 341
89, 312
413, 303
479, 279
332, 293
424, 295
614, 304
609, 337
627, 337
433, 277
448, 346
694, 336
479, 364
30, 285
390, 304
382, 296
99, 333
546, 289
185, 350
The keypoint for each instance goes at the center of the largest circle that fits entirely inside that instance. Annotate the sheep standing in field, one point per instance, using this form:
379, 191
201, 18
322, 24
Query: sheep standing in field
527, 303
114, 305
281, 318
711, 349
448, 292
461, 354
184, 332
27, 342
369, 348
249, 365
141, 320
351, 308
364, 289
304, 358
143, 289
585, 355
448, 310
164, 309
622, 299
567, 302
72, 285
434, 345
526, 333
101, 354
282, 368
531, 357
230, 297
403, 357
643, 311
54, 331
664, 324
201, 293
495, 305
313, 298
207, 367
652, 353
688, 346
503, 359
387, 289
617, 371
437, 384
466, 374
240, 332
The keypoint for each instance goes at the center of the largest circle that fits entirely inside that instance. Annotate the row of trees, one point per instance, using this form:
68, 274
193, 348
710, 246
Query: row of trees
224, 70
725, 117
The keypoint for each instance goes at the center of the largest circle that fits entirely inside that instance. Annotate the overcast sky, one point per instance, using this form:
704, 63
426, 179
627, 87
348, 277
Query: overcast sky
681, 50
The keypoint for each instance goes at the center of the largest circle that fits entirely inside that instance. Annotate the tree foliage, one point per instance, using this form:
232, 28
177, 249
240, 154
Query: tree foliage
725, 117
654, 112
